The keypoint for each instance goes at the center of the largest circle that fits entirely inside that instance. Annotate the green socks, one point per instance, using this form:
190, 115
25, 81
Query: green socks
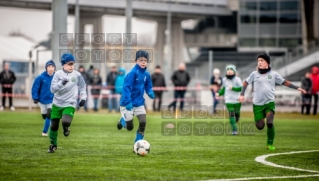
270, 135
233, 123
53, 135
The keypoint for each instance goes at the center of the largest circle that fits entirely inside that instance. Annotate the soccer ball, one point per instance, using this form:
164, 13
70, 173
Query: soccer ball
142, 147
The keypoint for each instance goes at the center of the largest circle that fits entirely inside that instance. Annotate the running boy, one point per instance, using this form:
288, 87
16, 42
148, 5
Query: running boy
42, 95
231, 88
264, 80
136, 82
65, 86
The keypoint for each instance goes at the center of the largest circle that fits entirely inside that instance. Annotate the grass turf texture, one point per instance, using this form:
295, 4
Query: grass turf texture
96, 150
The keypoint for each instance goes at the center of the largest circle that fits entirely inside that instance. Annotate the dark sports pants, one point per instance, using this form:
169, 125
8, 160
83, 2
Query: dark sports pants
4, 91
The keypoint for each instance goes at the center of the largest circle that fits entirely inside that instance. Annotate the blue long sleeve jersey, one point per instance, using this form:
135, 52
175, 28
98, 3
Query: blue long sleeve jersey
136, 82
41, 88
66, 95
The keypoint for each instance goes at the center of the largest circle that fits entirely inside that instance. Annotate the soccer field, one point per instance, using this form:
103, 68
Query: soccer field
96, 150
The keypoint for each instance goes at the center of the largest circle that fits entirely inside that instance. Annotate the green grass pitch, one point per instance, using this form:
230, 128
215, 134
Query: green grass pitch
96, 150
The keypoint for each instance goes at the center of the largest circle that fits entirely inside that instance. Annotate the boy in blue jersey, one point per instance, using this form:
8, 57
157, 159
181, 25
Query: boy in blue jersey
136, 82
264, 81
42, 95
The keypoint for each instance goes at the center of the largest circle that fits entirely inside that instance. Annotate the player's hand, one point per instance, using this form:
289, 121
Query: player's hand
302, 90
64, 81
82, 103
129, 107
151, 95
241, 98
230, 87
217, 96
35, 101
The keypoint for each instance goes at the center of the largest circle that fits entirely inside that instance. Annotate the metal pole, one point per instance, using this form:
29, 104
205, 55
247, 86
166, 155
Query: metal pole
128, 14
169, 62
210, 64
30, 78
37, 64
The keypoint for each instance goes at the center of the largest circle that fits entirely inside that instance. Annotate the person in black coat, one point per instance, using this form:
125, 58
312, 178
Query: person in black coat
159, 85
306, 84
7, 79
96, 83
110, 81
180, 80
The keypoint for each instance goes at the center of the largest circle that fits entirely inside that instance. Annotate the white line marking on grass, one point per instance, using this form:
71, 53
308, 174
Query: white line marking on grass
261, 178
262, 159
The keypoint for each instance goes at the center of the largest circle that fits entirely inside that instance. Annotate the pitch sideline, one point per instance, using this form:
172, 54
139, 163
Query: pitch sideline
262, 159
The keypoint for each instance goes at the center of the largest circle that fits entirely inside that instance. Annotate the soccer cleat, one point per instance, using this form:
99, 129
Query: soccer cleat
1, 108
271, 147
119, 125
44, 134
234, 133
52, 148
139, 136
12, 108
66, 131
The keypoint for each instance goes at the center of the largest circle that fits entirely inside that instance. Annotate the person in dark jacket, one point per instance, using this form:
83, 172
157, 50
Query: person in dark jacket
87, 79
180, 80
159, 85
7, 79
110, 81
306, 84
96, 82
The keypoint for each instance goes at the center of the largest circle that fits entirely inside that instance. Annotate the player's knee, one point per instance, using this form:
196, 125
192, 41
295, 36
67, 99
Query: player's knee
55, 124
44, 116
48, 115
260, 124
66, 120
232, 114
129, 125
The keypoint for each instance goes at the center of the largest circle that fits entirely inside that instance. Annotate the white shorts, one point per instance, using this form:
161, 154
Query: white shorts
128, 115
44, 107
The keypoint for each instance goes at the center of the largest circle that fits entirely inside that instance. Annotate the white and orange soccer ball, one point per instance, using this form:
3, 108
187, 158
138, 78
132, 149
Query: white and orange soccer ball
142, 147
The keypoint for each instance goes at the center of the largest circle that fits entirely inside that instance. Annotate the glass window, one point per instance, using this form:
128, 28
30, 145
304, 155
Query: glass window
248, 18
289, 42
267, 42
19, 67
289, 18
247, 42
268, 6
248, 5
268, 18
289, 5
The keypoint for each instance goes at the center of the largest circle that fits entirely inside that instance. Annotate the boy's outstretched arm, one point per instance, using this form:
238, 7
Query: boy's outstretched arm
82, 88
290, 85
149, 88
241, 97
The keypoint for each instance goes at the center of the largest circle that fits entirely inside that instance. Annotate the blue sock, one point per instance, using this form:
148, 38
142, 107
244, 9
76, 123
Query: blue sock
46, 126
138, 137
123, 123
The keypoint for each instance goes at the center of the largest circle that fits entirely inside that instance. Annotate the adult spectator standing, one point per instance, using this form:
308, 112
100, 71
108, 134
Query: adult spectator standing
180, 79
7, 79
110, 80
215, 82
306, 84
87, 79
158, 81
96, 83
315, 87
